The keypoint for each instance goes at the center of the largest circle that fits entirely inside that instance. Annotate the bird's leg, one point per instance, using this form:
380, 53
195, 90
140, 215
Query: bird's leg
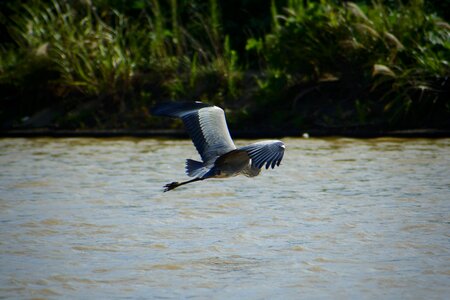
173, 185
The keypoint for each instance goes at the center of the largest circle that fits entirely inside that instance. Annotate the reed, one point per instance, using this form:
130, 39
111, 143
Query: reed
88, 54
393, 61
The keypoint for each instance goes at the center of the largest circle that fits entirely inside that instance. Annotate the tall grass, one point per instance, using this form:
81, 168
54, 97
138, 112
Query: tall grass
386, 58
100, 57
89, 54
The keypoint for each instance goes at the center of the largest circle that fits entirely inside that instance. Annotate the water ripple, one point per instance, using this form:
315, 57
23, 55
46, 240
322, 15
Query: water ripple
340, 218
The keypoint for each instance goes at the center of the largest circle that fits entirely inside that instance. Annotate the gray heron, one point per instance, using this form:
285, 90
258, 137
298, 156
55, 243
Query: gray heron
207, 127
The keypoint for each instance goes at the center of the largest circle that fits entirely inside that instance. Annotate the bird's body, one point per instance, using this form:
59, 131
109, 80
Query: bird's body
208, 129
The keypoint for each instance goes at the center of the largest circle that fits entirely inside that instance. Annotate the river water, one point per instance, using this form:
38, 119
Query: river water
340, 218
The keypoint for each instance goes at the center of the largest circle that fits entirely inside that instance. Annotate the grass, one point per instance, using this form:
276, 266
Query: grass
114, 58
322, 63
389, 62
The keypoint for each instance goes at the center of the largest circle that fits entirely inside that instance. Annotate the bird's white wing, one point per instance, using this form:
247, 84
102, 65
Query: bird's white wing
269, 153
205, 124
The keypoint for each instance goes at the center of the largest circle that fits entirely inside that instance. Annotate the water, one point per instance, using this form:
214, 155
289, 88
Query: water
340, 218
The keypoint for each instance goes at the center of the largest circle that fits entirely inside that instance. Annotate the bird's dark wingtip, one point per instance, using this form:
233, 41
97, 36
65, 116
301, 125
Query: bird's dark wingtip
174, 109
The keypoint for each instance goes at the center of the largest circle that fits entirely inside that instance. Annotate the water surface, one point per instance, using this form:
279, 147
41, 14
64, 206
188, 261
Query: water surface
340, 218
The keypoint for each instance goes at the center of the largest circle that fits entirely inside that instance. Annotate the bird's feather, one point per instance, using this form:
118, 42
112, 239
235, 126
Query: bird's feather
206, 125
269, 153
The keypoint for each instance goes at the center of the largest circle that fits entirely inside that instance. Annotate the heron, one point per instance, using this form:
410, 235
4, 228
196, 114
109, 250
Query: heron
207, 127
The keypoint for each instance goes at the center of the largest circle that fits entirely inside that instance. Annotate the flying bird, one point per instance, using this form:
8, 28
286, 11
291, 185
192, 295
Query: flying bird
207, 127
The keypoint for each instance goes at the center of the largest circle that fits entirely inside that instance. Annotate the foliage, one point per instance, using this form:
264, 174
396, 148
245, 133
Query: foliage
315, 63
380, 55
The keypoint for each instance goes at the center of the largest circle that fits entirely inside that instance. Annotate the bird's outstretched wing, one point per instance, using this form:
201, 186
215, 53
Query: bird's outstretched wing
205, 124
269, 153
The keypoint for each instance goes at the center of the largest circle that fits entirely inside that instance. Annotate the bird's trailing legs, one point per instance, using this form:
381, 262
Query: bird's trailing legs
173, 185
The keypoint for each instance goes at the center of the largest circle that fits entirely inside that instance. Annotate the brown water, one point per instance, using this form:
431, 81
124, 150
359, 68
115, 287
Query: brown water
340, 218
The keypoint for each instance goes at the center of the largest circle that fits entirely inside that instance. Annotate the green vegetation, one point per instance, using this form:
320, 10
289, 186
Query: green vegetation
273, 64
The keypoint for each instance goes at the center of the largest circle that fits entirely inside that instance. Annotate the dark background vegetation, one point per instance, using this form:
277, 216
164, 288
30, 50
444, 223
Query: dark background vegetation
273, 65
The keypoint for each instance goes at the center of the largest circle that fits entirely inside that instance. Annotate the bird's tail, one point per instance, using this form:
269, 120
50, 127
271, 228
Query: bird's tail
195, 168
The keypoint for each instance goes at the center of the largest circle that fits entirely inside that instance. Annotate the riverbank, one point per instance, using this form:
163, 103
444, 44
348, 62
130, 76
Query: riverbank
175, 133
